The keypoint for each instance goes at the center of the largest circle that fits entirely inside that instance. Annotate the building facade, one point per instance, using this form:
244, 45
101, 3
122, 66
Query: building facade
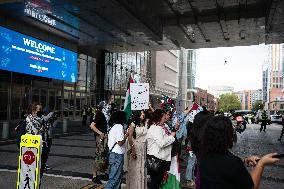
118, 68
273, 78
203, 98
247, 98
219, 90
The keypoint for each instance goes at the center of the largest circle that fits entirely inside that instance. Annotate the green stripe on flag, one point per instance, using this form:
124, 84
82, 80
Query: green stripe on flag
127, 109
171, 183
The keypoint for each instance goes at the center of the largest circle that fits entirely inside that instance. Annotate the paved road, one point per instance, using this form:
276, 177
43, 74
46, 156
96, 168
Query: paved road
71, 159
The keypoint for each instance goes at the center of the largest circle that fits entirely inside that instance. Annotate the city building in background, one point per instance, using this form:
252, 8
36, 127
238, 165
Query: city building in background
206, 99
247, 98
273, 78
219, 90
187, 73
164, 75
265, 81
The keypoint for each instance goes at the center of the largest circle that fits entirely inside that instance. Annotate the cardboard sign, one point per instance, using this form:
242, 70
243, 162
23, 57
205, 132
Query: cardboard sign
29, 162
139, 93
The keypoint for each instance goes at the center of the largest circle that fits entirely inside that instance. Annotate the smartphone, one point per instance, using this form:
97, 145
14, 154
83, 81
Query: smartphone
278, 156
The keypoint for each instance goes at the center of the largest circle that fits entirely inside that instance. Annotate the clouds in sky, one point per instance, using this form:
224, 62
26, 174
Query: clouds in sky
243, 69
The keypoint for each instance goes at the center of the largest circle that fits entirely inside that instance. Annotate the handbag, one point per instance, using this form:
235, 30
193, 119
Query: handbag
154, 164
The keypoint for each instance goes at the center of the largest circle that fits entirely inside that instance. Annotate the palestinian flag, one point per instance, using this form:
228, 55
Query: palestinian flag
127, 102
173, 180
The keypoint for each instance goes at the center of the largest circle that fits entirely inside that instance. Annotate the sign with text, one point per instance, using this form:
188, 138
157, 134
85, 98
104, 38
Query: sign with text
29, 162
139, 93
25, 54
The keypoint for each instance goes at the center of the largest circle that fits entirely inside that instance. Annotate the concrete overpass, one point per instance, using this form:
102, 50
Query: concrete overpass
137, 25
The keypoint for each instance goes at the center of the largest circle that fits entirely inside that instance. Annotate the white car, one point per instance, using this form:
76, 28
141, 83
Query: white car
276, 118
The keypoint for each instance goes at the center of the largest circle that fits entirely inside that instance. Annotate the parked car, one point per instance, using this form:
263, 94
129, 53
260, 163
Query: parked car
276, 118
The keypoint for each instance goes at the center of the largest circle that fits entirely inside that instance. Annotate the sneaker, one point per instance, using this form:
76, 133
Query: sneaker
190, 184
104, 177
123, 180
47, 167
96, 180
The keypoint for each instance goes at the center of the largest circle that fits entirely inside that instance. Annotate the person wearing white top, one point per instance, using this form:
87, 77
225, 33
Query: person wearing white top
159, 144
116, 145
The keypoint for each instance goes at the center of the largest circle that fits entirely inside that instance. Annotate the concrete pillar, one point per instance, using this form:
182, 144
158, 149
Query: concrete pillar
65, 124
5, 130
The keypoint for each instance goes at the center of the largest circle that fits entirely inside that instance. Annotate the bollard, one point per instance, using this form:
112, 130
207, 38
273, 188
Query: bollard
65, 122
5, 131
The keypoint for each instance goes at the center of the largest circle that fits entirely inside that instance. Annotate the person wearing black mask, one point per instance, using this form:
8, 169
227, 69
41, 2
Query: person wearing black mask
36, 125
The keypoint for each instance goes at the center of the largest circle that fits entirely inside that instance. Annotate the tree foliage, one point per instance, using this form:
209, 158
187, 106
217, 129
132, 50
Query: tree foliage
229, 102
257, 105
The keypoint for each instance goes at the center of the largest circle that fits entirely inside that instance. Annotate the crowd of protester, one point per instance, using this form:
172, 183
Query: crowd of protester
146, 143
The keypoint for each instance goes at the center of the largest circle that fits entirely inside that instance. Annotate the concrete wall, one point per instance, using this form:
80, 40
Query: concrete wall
166, 71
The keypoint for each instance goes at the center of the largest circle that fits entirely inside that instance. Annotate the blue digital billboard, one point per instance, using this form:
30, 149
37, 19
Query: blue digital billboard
25, 54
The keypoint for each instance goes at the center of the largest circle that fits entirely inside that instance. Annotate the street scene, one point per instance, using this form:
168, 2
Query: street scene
71, 160
152, 94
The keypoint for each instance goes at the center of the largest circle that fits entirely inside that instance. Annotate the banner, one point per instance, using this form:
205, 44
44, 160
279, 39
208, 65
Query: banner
139, 93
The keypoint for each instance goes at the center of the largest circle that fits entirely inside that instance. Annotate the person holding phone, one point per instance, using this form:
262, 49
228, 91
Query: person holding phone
219, 168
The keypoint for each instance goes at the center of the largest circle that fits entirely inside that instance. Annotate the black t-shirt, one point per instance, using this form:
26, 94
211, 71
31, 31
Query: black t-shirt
224, 171
100, 121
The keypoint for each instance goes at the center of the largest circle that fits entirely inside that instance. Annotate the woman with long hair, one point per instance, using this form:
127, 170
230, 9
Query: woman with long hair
219, 168
137, 154
159, 146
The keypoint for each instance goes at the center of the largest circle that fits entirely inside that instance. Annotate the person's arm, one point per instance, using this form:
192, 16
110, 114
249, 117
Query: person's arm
96, 130
258, 170
164, 141
121, 137
130, 137
251, 161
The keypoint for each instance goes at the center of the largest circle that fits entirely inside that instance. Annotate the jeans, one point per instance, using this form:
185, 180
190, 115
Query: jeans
189, 174
115, 173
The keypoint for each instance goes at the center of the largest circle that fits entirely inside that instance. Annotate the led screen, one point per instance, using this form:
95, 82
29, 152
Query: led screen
25, 54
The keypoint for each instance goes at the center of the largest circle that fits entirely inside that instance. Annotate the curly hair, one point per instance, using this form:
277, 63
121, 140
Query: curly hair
156, 116
197, 130
218, 135
118, 117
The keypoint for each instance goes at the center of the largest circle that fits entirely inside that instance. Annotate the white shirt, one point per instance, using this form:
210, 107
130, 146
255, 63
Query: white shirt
159, 144
116, 134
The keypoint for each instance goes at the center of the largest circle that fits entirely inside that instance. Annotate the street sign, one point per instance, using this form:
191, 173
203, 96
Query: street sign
29, 162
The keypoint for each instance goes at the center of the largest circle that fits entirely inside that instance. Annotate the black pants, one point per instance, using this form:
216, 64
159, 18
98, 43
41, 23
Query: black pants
282, 132
156, 177
84, 120
44, 156
263, 126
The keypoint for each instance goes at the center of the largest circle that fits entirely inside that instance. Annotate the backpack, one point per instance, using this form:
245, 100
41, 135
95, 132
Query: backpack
264, 115
20, 130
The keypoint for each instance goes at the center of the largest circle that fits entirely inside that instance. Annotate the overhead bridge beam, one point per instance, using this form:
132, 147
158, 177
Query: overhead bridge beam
253, 11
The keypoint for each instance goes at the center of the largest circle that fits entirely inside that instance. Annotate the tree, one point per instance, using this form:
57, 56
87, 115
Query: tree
257, 105
229, 102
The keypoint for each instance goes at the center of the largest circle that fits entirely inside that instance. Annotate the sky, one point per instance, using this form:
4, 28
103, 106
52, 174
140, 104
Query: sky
243, 69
